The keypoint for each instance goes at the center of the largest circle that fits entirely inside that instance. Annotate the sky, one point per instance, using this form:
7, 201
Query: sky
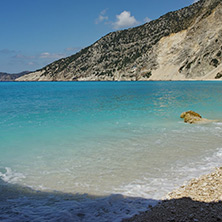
34, 33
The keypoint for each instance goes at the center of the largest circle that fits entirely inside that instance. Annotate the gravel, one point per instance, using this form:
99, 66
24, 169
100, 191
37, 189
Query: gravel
199, 200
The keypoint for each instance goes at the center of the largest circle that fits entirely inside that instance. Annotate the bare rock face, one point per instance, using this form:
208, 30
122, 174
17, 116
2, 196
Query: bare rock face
181, 45
193, 117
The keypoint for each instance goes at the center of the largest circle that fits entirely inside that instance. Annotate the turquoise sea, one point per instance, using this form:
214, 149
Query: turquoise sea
101, 151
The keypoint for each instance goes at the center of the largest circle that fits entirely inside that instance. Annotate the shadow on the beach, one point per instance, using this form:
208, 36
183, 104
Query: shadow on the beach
20, 203
181, 210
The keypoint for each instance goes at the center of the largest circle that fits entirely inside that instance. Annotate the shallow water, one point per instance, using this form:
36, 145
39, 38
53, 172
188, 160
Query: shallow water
104, 138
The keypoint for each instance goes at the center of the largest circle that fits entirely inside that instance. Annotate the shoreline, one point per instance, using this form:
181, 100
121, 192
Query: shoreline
108, 81
199, 200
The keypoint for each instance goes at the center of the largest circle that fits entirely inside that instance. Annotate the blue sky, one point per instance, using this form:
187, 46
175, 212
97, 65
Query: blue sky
37, 32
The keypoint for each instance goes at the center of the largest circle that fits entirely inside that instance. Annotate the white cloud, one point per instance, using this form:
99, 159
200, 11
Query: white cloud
147, 19
125, 20
25, 61
44, 55
73, 49
195, 1
22, 56
31, 64
102, 17
47, 55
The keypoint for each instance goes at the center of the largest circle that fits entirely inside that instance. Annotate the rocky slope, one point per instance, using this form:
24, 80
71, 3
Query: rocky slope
6, 77
185, 44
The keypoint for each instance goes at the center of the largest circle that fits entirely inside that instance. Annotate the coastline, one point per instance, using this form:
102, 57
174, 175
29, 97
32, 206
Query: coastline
142, 80
199, 200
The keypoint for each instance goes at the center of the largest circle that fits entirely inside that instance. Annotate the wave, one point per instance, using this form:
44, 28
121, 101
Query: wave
19, 203
8, 175
177, 175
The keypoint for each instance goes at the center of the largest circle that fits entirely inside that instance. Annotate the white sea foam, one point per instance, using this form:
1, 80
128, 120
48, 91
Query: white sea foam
134, 197
129, 198
157, 188
7, 175
56, 207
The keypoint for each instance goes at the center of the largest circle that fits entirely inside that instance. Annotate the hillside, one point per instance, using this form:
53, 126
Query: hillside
6, 77
185, 44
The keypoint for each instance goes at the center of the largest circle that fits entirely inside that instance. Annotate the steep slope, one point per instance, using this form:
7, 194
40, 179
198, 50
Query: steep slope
194, 53
185, 44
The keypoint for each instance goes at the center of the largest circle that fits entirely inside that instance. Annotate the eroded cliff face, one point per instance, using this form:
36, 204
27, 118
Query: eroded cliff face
194, 53
185, 44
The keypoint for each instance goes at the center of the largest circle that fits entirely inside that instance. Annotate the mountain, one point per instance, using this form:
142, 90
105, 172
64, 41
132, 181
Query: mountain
6, 77
180, 45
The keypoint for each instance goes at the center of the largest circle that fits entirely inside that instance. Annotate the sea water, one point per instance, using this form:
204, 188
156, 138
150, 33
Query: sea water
101, 151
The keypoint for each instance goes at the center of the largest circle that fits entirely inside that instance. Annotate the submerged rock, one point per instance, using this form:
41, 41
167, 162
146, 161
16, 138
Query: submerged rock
193, 117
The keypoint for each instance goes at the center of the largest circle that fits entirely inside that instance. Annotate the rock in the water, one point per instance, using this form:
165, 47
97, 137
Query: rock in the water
193, 117
190, 113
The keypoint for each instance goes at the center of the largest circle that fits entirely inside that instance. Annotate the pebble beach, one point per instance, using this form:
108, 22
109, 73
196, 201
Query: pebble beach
199, 200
